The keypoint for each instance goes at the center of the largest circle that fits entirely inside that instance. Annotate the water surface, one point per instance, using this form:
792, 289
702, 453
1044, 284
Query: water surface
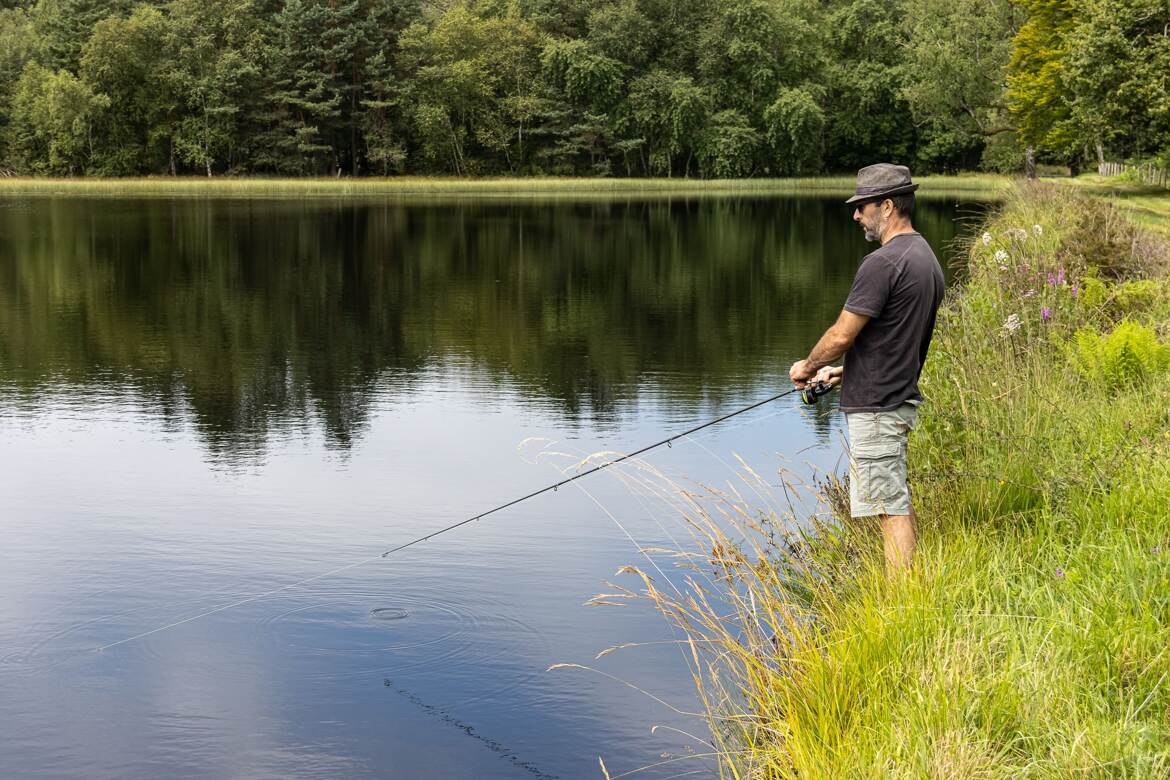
207, 402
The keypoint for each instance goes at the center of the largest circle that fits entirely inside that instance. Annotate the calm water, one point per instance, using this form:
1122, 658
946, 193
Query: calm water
204, 401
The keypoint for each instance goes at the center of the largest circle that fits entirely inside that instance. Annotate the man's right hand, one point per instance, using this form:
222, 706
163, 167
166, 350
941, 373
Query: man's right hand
829, 375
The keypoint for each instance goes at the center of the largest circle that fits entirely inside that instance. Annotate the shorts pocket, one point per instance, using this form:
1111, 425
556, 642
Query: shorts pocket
881, 479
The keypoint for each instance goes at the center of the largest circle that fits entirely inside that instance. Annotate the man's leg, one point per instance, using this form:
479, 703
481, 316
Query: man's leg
899, 538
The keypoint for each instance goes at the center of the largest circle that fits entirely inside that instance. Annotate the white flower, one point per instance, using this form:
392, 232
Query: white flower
986, 239
1000, 256
1012, 323
1038, 230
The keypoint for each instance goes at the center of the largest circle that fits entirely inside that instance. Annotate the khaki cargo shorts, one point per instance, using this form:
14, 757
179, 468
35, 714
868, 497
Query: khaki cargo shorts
877, 461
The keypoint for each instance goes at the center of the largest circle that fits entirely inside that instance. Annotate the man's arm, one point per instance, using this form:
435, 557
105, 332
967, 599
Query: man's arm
835, 343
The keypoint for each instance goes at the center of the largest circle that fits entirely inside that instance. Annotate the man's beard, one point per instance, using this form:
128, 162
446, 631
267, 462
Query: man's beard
873, 233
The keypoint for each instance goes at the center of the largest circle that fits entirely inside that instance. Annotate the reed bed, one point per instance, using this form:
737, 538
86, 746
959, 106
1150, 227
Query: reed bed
1032, 637
532, 187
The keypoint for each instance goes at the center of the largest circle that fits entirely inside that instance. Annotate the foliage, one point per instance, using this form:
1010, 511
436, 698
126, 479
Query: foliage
955, 58
354, 87
1130, 354
53, 114
794, 125
1037, 92
128, 61
728, 145
1117, 63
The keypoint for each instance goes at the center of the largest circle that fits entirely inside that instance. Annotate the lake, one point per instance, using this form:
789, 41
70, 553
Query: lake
215, 414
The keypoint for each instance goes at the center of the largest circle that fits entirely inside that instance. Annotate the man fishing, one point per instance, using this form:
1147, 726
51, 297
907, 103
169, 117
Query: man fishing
884, 331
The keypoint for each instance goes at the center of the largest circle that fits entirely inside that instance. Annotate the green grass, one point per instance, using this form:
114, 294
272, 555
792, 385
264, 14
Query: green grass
1146, 205
1032, 638
932, 186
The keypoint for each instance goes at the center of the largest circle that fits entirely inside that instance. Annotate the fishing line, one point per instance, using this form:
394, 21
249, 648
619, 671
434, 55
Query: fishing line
553, 487
550, 488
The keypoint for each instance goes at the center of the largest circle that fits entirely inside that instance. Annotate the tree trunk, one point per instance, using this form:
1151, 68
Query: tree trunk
172, 160
207, 160
353, 162
1100, 156
1030, 162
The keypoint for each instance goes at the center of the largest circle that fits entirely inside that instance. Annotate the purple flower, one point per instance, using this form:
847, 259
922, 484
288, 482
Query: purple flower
1059, 572
1076, 289
1060, 276
1045, 313
1051, 279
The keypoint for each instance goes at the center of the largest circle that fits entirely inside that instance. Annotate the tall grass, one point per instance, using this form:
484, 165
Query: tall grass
415, 186
1032, 638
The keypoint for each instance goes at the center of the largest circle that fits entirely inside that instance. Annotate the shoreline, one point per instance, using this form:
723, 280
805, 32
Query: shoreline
520, 188
1030, 637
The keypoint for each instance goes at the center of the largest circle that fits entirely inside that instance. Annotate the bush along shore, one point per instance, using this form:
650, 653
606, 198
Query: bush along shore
1032, 638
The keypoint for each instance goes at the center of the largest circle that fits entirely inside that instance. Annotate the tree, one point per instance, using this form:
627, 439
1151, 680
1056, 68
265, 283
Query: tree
752, 48
1037, 89
728, 145
1117, 65
956, 54
53, 113
867, 117
213, 74
63, 27
473, 83
16, 49
795, 123
129, 61
669, 110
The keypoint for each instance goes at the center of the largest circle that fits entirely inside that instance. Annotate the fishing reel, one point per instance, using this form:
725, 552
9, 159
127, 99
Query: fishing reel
810, 394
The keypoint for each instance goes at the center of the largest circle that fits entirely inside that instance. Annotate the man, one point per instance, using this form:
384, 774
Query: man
884, 332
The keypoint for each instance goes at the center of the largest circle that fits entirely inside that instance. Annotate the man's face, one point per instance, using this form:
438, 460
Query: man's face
869, 216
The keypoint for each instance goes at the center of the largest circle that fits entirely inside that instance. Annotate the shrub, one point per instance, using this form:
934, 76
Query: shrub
1128, 355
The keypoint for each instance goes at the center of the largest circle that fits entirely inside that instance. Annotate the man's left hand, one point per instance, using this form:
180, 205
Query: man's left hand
801, 372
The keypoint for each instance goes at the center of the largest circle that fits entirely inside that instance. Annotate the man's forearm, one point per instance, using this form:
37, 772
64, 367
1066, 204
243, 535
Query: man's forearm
831, 346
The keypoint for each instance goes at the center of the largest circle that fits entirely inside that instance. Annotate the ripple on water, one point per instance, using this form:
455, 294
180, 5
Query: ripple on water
360, 632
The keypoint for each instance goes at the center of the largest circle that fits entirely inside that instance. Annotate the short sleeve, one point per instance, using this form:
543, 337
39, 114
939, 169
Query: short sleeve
871, 287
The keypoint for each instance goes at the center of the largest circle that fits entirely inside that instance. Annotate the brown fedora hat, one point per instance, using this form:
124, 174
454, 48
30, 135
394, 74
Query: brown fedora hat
881, 180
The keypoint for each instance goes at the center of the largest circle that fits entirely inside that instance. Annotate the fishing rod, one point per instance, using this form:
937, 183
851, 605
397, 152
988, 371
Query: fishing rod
809, 394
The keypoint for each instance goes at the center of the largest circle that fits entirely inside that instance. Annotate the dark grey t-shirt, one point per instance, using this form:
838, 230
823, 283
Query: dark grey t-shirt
899, 287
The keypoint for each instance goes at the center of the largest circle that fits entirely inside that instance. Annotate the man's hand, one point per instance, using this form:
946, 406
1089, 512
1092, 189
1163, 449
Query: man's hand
830, 375
800, 373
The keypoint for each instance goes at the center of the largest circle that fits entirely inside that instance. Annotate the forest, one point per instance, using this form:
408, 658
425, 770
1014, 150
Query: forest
697, 88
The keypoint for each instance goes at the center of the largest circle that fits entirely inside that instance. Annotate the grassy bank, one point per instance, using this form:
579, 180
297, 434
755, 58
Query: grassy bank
940, 186
1033, 637
1148, 206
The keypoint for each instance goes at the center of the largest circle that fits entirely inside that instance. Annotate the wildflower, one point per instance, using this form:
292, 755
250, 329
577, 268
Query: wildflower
986, 239
1156, 550
1060, 277
1012, 323
1076, 289
1045, 313
1059, 572
1038, 230
1000, 256
1052, 279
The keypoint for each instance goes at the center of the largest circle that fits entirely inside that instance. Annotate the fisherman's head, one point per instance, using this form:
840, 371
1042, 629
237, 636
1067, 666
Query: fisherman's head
884, 194
875, 216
